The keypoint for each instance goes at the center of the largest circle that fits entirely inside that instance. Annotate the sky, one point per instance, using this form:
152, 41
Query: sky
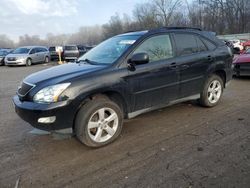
39, 17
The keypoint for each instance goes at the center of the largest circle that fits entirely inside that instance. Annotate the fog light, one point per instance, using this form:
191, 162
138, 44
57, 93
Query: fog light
51, 119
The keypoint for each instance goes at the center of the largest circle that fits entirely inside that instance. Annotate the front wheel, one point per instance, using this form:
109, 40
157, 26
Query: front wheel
212, 91
99, 122
28, 62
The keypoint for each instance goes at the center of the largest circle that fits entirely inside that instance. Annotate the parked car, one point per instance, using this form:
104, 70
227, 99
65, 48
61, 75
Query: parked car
70, 53
123, 77
27, 55
237, 45
3, 53
241, 64
246, 45
53, 54
82, 49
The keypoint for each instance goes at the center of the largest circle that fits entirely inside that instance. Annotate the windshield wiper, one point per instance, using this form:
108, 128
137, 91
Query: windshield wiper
87, 61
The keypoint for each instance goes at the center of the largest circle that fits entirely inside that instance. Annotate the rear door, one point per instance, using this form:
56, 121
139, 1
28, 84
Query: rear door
155, 83
194, 59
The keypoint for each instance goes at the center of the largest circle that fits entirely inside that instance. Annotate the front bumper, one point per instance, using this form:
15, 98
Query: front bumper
241, 69
17, 62
31, 112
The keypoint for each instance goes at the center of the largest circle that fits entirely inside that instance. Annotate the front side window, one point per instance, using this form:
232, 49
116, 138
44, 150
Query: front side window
157, 47
33, 51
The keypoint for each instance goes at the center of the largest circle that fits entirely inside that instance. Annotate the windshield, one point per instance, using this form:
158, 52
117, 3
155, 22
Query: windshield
21, 51
52, 49
70, 48
110, 50
247, 51
3, 53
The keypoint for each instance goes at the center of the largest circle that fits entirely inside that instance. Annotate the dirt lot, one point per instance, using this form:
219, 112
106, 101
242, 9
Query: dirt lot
180, 146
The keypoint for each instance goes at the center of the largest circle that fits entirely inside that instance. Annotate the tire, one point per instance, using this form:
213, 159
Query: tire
212, 91
28, 62
95, 131
46, 60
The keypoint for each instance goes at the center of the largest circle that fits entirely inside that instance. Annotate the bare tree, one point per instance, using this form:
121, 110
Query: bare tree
165, 9
5, 42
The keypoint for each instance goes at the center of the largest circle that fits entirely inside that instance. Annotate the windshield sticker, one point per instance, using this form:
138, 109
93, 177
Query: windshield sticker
127, 42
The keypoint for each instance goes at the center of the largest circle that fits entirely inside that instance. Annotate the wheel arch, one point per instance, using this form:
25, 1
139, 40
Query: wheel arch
112, 95
222, 74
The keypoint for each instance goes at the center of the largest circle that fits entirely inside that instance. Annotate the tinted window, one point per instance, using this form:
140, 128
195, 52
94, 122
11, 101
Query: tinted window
158, 48
52, 49
186, 43
200, 44
209, 44
39, 50
44, 49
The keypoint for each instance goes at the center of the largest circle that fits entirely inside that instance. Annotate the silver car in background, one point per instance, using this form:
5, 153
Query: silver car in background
27, 55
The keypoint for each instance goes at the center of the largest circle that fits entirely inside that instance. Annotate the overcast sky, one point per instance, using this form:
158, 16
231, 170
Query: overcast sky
39, 17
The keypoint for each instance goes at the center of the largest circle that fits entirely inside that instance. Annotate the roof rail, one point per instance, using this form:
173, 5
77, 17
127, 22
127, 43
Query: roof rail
176, 28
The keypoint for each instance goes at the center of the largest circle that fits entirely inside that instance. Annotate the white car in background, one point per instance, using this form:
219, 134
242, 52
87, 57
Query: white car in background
237, 44
28, 55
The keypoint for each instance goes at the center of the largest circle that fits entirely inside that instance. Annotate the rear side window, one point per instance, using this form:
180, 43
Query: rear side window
186, 43
157, 47
39, 50
45, 49
201, 45
209, 44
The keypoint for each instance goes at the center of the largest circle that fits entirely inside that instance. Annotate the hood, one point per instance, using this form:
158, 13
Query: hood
62, 72
243, 58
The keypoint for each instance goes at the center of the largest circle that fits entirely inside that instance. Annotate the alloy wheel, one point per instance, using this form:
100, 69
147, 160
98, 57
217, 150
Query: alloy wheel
103, 125
214, 91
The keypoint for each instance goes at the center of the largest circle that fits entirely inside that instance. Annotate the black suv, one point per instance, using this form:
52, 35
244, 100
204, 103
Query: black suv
123, 77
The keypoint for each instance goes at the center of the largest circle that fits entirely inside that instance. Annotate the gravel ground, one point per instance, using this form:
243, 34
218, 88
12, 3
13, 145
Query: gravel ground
184, 145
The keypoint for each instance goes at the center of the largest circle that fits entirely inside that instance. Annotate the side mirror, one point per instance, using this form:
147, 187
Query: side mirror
139, 59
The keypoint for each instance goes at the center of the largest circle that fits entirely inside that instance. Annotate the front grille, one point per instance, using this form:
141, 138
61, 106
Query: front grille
71, 55
11, 59
24, 89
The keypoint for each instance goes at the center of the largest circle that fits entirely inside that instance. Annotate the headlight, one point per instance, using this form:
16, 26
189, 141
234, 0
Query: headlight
20, 57
50, 94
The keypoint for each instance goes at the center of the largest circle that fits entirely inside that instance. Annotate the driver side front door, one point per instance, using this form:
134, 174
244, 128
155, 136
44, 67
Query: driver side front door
155, 83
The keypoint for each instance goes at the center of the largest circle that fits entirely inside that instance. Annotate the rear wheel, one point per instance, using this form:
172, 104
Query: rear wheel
99, 122
28, 62
212, 91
